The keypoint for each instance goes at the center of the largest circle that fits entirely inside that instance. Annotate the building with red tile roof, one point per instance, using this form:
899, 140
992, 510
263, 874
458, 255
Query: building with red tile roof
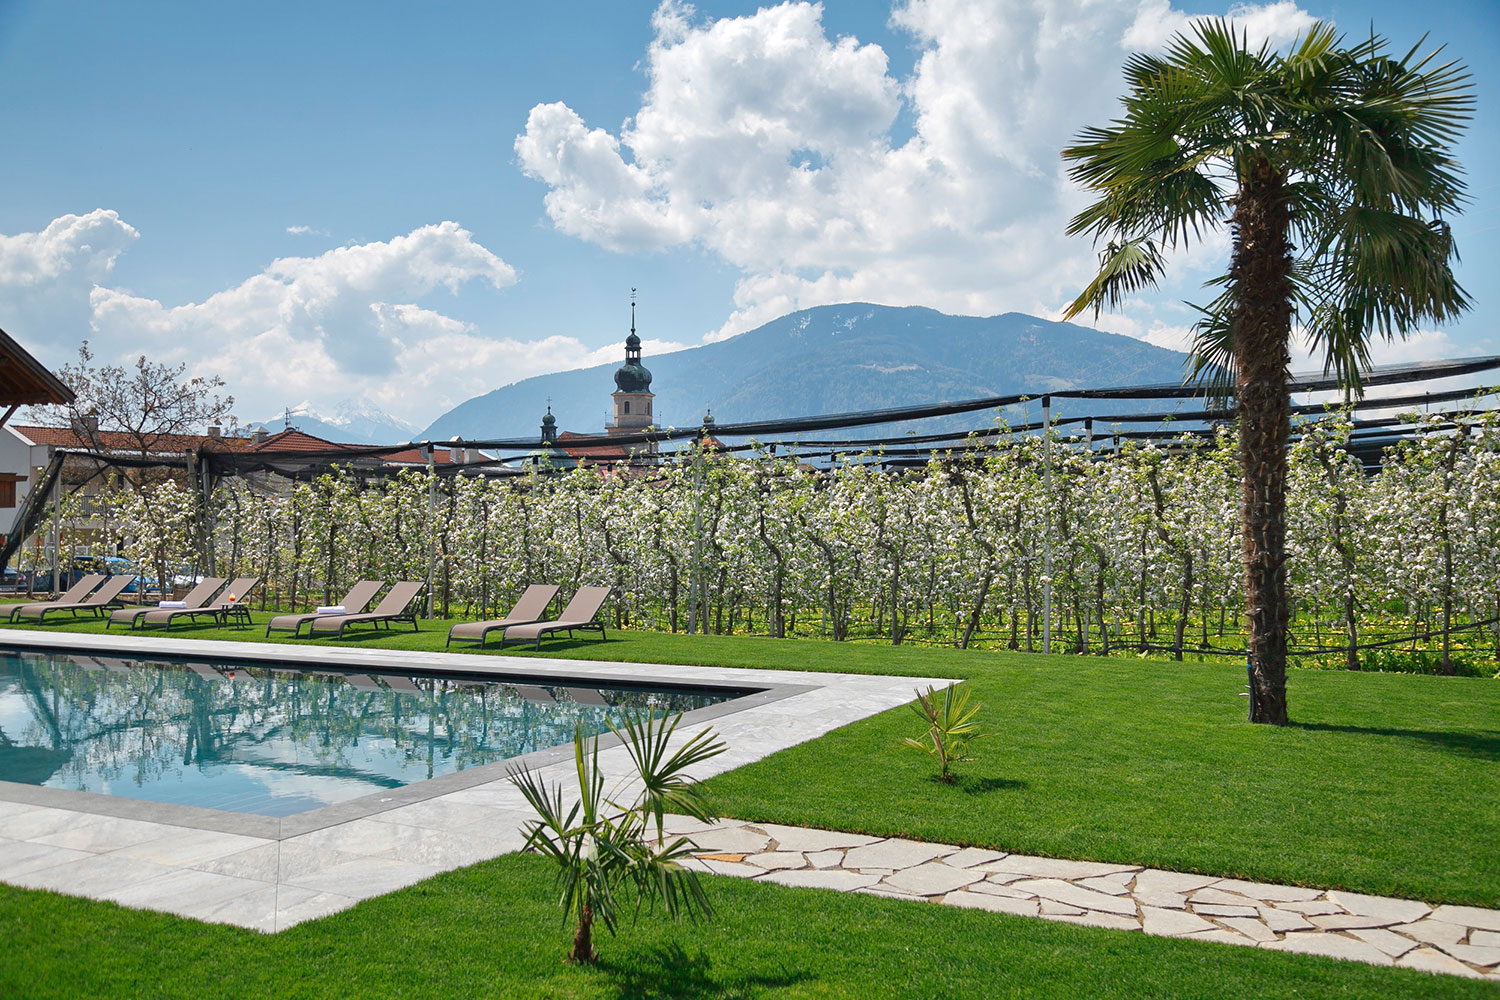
125, 443
294, 441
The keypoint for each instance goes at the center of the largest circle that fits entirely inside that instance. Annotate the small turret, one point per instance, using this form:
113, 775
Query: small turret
549, 427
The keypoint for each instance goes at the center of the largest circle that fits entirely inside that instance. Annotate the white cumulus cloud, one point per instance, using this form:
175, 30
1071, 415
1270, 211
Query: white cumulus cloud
46, 276
347, 318
1275, 23
774, 146
352, 323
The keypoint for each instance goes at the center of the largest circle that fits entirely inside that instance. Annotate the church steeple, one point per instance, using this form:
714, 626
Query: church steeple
549, 427
632, 376
632, 393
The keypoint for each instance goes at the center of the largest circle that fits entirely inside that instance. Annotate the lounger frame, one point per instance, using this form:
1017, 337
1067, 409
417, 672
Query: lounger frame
84, 587
563, 623
377, 618
219, 610
351, 599
110, 590
532, 594
202, 593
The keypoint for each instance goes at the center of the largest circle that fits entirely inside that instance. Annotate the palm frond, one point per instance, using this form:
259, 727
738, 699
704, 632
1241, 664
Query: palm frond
666, 786
1211, 357
1123, 268
1362, 139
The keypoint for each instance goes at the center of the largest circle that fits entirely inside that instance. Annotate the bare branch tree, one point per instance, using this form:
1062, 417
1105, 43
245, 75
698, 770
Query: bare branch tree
145, 404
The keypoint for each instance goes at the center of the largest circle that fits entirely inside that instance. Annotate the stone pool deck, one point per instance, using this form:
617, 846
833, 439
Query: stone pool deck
1458, 940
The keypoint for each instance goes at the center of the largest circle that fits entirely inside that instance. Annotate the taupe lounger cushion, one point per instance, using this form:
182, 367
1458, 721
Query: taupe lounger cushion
212, 609
579, 614
391, 608
359, 597
530, 608
107, 594
74, 594
194, 598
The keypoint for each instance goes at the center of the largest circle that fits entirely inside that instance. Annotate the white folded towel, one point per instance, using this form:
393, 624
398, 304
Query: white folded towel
332, 609
171, 604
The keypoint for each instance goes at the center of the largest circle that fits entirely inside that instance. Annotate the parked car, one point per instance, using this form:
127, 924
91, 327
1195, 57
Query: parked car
70, 572
117, 566
12, 580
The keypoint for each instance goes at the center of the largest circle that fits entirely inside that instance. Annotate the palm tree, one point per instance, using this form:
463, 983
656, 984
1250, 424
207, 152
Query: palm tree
600, 844
1330, 164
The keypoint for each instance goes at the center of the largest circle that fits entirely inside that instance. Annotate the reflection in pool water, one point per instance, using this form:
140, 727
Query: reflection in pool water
277, 740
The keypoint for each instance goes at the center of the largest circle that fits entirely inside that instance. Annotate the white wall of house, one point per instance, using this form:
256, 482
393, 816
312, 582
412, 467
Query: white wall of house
19, 456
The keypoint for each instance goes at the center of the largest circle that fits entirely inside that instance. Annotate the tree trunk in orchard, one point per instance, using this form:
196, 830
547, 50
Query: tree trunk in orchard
1260, 274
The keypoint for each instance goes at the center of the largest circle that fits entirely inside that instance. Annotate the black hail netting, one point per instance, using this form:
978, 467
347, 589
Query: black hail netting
1179, 426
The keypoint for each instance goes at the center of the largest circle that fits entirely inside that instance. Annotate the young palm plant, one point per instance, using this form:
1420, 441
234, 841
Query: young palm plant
1331, 164
950, 727
601, 845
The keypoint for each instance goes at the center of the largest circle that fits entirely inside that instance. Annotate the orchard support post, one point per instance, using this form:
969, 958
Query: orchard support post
431, 523
1047, 525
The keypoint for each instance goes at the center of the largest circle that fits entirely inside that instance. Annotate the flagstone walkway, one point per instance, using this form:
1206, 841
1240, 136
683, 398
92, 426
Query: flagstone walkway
1458, 940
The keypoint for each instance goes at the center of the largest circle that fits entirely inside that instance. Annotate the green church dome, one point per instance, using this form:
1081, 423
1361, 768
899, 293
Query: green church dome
633, 376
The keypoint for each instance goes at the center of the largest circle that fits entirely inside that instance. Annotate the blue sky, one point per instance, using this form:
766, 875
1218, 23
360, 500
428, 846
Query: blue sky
732, 162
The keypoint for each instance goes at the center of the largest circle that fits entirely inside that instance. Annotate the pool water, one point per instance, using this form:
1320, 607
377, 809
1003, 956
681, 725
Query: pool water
279, 740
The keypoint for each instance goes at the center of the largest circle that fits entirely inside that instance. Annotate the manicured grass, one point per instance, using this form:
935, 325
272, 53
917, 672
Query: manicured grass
492, 931
1385, 783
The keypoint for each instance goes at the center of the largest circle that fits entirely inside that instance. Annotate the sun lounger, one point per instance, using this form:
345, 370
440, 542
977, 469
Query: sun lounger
578, 616
74, 594
107, 596
395, 607
195, 598
530, 608
359, 597
218, 609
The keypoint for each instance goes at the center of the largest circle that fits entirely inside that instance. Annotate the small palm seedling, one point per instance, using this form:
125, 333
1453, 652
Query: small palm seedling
950, 727
601, 845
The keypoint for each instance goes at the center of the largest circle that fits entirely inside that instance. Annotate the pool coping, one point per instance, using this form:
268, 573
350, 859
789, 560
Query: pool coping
393, 661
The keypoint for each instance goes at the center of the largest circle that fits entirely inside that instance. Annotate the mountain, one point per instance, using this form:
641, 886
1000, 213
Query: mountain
352, 423
832, 359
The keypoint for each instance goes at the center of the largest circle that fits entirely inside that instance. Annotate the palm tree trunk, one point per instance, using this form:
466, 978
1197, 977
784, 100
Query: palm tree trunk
1260, 275
583, 939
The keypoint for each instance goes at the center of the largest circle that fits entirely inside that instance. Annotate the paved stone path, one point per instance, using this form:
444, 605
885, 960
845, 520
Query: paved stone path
1458, 940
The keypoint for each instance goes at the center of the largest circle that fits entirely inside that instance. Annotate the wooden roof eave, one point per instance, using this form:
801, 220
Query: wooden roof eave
25, 380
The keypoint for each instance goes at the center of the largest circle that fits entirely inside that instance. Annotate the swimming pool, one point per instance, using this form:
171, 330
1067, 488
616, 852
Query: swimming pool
276, 740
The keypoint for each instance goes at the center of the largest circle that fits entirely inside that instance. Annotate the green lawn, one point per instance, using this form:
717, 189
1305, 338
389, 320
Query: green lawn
492, 931
1387, 783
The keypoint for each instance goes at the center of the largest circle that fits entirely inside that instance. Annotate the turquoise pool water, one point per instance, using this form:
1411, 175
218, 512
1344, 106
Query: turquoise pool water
278, 740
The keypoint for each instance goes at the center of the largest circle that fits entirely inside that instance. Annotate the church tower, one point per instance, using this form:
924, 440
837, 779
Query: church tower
632, 393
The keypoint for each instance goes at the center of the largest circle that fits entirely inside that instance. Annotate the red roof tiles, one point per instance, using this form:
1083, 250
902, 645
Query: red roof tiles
67, 437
